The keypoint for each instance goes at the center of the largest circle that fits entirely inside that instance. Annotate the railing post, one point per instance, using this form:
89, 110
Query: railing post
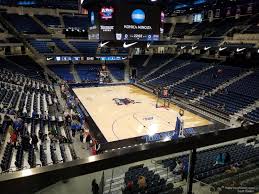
111, 181
192, 160
167, 172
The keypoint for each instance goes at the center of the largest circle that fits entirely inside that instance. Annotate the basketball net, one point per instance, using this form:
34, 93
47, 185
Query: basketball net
164, 96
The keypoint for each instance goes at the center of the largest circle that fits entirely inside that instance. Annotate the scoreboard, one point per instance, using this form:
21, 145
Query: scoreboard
125, 22
138, 22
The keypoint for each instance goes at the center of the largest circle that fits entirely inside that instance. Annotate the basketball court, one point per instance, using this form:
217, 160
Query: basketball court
125, 111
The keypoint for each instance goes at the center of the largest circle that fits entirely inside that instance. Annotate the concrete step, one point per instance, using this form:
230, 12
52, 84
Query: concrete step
170, 71
159, 67
75, 74
147, 60
223, 86
41, 24
193, 75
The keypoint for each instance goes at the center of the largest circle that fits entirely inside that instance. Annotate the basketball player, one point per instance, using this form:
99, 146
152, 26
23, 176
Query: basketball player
159, 94
170, 95
171, 92
166, 96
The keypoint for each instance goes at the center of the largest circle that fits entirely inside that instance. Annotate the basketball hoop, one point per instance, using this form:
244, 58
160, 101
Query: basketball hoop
163, 94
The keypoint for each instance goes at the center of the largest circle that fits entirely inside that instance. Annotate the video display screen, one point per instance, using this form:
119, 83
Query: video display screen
126, 22
138, 22
197, 17
93, 31
107, 23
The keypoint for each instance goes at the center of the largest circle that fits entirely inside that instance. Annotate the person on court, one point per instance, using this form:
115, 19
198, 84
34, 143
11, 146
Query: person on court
171, 92
159, 94
166, 97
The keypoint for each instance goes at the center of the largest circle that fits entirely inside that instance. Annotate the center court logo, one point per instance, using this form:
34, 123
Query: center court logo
138, 16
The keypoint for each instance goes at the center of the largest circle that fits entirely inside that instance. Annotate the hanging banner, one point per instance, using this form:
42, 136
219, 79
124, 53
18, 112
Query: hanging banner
217, 14
228, 12
250, 8
210, 15
238, 12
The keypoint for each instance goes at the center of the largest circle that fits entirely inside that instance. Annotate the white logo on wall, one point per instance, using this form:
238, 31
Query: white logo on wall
125, 45
118, 36
107, 28
103, 44
206, 48
222, 48
239, 50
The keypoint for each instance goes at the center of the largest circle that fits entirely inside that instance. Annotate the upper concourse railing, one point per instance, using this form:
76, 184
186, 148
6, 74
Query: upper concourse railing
32, 180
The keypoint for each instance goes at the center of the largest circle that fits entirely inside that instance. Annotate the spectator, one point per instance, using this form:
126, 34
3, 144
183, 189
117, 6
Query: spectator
227, 158
95, 146
232, 169
185, 171
62, 139
226, 91
13, 138
1, 107
220, 160
26, 141
73, 128
95, 187
129, 185
142, 182
34, 114
34, 141
193, 90
223, 106
45, 115
179, 167
44, 138
41, 135
81, 136
87, 139
52, 138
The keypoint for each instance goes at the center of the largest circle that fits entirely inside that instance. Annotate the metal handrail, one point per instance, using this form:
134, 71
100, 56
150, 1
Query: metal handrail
214, 189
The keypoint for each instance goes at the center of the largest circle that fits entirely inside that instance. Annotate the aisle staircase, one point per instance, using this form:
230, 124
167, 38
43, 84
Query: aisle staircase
192, 75
41, 24
127, 72
170, 71
114, 80
116, 184
159, 67
223, 86
147, 60
75, 74
66, 41
246, 110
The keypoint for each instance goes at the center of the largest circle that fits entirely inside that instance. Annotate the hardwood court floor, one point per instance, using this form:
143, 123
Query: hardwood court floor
118, 122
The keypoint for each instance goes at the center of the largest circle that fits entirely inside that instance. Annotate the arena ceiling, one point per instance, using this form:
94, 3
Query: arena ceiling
169, 5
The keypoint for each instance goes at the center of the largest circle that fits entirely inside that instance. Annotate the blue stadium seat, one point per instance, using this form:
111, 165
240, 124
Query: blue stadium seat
24, 24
